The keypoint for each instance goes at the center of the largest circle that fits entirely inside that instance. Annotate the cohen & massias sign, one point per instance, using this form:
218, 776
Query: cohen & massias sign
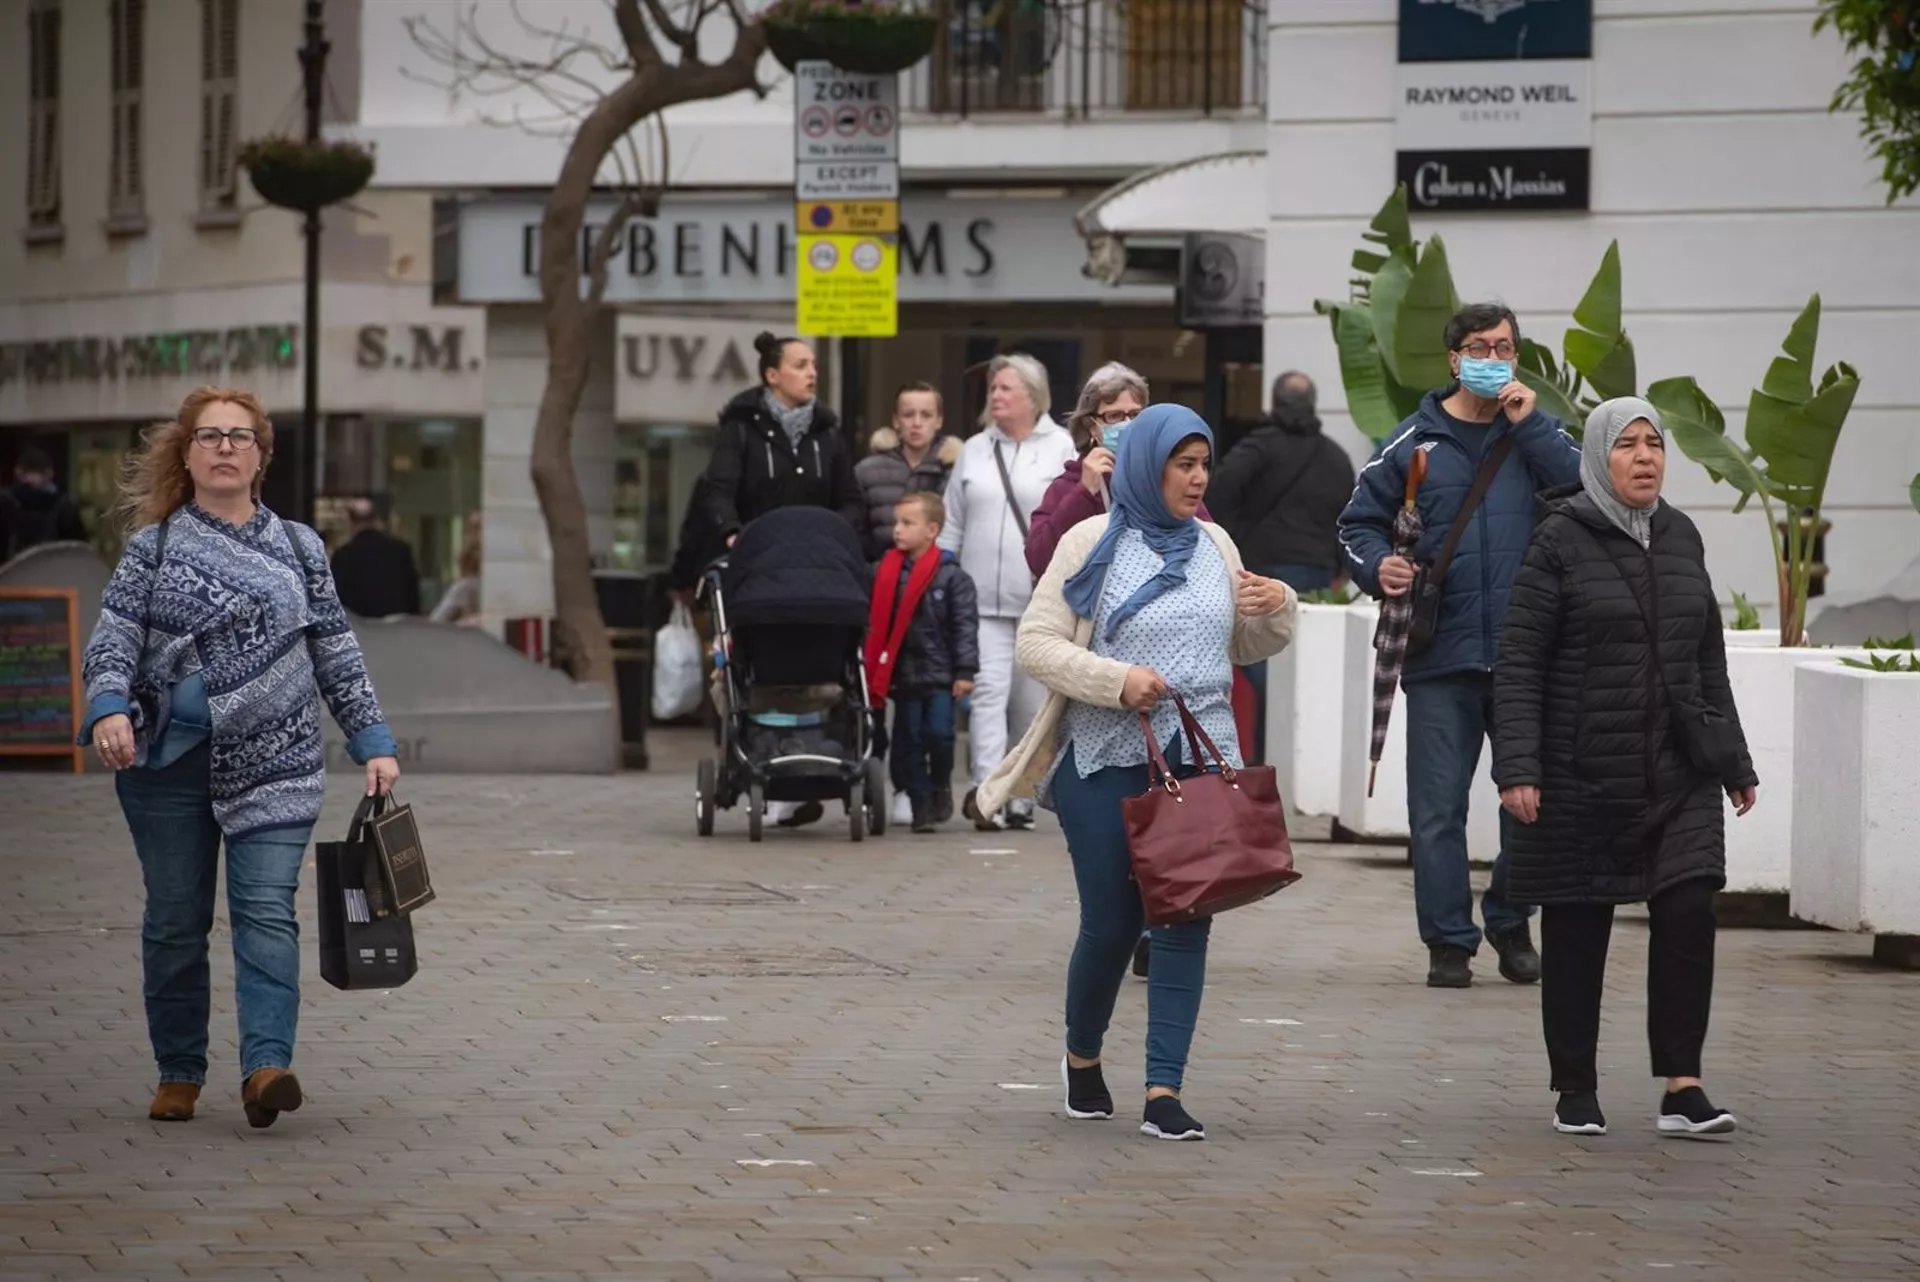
1494, 108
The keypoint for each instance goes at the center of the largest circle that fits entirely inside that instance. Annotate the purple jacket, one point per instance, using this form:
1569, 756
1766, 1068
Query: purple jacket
1067, 503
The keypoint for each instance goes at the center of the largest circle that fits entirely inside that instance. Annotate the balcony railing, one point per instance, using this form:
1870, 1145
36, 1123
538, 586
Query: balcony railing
1082, 58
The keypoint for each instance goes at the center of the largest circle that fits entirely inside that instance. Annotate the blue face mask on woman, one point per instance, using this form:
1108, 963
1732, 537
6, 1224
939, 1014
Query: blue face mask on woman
1485, 378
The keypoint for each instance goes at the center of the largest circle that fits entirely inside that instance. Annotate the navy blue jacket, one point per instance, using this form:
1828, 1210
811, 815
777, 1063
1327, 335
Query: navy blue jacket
943, 641
1495, 540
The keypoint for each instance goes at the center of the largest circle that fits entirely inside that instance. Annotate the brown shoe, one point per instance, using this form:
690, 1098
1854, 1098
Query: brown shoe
269, 1093
174, 1102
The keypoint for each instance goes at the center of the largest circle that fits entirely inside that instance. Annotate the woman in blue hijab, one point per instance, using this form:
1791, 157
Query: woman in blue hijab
1147, 600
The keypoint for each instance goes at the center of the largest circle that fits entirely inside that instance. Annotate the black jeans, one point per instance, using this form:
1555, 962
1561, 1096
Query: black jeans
1573, 964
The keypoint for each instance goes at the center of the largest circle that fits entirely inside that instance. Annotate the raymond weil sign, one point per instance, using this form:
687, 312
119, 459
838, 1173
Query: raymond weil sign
1494, 104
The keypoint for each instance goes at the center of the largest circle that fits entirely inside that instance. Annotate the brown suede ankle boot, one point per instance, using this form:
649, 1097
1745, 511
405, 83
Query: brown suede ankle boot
269, 1093
174, 1102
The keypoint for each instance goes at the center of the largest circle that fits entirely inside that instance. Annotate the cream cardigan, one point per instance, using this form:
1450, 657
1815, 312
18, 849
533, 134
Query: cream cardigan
1055, 649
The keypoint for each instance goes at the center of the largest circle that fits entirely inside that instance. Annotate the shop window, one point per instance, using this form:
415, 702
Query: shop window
219, 103
655, 468
126, 184
43, 115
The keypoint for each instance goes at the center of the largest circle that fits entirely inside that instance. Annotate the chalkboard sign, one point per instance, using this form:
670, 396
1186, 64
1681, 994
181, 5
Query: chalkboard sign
40, 695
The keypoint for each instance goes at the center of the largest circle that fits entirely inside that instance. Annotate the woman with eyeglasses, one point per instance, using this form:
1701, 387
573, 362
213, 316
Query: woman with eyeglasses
220, 635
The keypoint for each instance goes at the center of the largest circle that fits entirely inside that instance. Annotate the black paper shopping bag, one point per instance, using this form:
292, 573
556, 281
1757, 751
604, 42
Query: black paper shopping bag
358, 948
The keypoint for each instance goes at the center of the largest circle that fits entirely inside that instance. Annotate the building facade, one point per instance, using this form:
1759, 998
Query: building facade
137, 263
1734, 195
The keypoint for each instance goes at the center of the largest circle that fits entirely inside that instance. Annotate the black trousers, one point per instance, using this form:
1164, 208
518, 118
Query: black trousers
1573, 965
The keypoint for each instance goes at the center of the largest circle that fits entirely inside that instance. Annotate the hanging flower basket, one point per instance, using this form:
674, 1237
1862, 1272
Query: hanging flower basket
306, 175
879, 37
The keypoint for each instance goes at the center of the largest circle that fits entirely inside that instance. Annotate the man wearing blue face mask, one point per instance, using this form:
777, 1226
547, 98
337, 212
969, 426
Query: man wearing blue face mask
1481, 433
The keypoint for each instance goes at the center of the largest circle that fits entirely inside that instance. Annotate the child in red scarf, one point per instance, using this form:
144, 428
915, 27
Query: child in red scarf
923, 650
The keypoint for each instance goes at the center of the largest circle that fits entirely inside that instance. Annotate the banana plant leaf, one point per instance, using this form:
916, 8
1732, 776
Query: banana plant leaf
1391, 229
1695, 424
1913, 492
1377, 403
1798, 441
1556, 387
1420, 336
1790, 377
1599, 347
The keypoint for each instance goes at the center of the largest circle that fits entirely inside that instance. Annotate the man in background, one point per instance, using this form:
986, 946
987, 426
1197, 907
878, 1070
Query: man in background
374, 571
33, 510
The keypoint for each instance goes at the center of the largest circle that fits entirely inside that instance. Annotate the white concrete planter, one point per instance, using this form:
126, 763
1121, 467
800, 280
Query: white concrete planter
1384, 815
1754, 639
1857, 824
1305, 720
1760, 847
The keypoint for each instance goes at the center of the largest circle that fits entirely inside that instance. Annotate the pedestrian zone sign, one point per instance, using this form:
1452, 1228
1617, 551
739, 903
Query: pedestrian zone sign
848, 287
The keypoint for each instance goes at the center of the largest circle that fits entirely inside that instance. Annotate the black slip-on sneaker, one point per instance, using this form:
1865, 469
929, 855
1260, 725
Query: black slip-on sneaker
1578, 1113
1088, 1099
1449, 966
1167, 1120
1689, 1113
1519, 962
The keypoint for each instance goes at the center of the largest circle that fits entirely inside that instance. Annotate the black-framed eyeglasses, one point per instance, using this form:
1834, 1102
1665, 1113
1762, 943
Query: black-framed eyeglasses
1114, 418
1502, 350
241, 438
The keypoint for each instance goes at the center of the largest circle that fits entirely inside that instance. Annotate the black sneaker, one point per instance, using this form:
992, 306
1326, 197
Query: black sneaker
807, 812
1688, 1112
1166, 1120
1519, 963
1088, 1099
1578, 1113
923, 818
1449, 966
942, 805
1142, 956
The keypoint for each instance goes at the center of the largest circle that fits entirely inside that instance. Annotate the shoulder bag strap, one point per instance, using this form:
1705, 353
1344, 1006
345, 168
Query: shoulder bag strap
1006, 484
1482, 482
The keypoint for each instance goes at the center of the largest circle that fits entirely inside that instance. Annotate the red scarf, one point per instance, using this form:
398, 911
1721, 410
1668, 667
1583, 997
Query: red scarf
886, 627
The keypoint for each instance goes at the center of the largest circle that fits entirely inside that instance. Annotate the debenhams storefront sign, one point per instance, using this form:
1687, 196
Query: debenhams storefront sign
708, 249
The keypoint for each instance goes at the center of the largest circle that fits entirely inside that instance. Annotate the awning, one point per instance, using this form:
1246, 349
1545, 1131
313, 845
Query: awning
1225, 193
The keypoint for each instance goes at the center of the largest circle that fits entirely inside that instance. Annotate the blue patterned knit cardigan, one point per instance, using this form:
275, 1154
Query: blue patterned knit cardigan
253, 610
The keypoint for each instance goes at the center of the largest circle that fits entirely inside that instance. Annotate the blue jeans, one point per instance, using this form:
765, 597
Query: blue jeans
170, 814
1301, 578
1448, 718
1110, 919
920, 758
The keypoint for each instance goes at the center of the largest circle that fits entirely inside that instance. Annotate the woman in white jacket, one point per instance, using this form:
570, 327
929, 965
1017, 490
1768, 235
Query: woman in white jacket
1002, 475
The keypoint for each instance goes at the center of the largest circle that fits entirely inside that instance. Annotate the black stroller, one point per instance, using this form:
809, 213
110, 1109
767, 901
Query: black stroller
790, 617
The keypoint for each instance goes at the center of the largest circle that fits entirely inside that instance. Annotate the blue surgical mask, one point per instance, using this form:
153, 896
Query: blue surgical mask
1110, 436
1485, 378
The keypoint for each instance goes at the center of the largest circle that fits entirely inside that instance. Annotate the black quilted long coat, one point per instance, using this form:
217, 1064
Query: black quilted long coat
1580, 710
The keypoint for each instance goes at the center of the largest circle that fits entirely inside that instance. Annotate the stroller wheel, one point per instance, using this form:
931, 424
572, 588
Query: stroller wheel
876, 798
756, 810
857, 812
704, 786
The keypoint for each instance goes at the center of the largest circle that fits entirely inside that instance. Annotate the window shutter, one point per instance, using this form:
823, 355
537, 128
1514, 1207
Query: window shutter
219, 107
43, 113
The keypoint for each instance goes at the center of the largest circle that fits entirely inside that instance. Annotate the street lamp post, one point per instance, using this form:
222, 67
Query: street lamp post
313, 64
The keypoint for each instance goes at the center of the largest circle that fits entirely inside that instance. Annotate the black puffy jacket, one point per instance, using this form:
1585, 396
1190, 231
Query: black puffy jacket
943, 641
1581, 712
885, 477
755, 469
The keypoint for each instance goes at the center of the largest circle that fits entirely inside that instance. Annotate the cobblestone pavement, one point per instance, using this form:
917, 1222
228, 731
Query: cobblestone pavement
634, 1054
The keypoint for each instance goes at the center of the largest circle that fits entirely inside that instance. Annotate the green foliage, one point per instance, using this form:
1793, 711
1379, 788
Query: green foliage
1897, 662
1329, 596
1884, 84
1900, 643
1745, 617
1391, 332
1913, 491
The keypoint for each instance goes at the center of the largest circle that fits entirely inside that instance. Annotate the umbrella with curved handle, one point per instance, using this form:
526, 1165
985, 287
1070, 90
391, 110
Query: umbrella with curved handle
1396, 617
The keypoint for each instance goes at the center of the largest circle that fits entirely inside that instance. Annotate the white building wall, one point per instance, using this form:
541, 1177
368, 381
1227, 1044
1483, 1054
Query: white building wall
1734, 195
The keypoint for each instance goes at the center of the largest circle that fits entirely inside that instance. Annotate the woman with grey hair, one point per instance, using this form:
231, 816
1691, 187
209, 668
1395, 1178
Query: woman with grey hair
995, 486
1614, 737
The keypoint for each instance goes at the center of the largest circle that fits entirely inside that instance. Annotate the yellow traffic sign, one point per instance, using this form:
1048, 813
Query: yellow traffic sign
823, 217
848, 287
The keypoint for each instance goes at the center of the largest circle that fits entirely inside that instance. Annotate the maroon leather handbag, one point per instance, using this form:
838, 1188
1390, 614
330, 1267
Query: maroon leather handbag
1208, 843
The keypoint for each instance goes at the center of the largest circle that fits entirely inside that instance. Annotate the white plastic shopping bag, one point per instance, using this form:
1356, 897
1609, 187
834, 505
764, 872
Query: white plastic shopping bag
679, 679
